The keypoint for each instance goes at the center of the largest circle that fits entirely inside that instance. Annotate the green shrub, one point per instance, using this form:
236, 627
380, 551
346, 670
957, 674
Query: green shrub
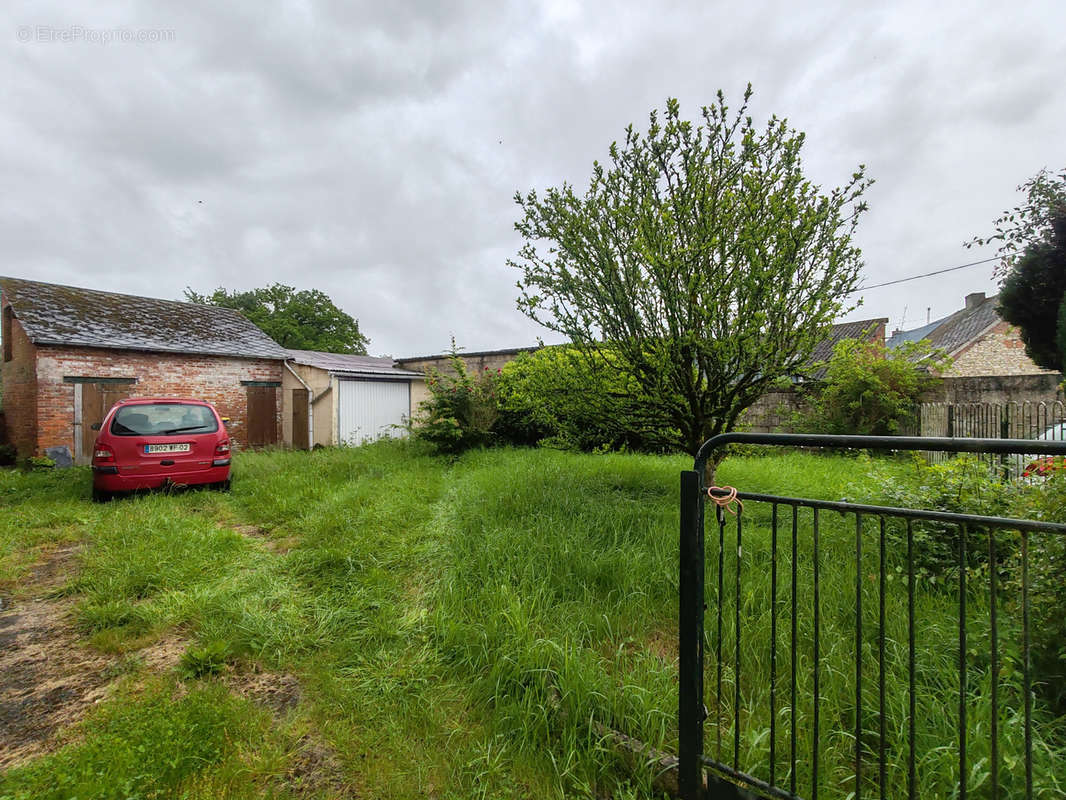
870, 390
461, 410
1047, 588
40, 463
556, 398
963, 485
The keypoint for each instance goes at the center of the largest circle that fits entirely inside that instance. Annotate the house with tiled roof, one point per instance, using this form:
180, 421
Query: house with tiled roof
70, 353
979, 341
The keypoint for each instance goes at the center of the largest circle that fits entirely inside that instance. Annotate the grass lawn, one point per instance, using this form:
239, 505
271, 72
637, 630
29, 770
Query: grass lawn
376, 622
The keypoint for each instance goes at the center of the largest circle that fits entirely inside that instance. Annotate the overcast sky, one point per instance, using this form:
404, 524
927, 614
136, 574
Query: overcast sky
372, 149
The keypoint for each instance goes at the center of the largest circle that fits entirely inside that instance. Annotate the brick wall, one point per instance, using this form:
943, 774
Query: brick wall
18, 379
216, 379
1000, 351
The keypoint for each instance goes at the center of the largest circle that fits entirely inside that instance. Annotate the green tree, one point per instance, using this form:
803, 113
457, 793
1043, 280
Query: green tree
1033, 296
871, 390
1027, 223
701, 256
1032, 253
300, 320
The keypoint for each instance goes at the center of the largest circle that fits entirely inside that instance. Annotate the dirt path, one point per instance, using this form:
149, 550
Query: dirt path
47, 680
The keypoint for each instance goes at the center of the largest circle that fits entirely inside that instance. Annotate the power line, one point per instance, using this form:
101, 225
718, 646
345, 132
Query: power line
924, 275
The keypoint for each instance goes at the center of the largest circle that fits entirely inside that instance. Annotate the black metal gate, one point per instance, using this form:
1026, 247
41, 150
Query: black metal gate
871, 658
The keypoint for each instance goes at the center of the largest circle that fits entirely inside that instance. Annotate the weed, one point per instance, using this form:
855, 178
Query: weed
210, 659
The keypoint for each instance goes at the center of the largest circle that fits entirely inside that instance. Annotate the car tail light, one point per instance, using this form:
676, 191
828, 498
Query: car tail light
222, 448
103, 455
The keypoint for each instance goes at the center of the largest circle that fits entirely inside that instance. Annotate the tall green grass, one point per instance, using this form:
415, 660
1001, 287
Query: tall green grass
466, 628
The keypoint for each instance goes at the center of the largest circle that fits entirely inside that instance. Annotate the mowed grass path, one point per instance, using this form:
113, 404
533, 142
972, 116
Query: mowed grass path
457, 629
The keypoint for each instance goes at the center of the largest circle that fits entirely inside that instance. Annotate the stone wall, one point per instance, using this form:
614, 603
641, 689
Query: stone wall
1040, 388
774, 412
998, 352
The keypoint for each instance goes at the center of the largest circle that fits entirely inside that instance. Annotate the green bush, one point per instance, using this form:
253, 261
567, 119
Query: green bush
963, 485
556, 398
971, 486
461, 410
1047, 588
871, 390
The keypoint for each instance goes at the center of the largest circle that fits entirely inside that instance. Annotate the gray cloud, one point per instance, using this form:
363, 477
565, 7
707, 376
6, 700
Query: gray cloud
372, 150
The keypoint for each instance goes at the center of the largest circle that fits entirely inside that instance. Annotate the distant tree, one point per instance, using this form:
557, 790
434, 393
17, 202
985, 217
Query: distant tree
700, 262
1027, 223
299, 320
1033, 296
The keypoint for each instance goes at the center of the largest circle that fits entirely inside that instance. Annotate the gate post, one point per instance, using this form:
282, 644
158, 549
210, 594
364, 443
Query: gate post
690, 640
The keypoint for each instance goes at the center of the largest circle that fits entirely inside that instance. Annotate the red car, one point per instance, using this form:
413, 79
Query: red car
148, 442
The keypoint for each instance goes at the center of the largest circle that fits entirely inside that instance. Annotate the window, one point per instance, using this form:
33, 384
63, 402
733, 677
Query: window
5, 334
162, 419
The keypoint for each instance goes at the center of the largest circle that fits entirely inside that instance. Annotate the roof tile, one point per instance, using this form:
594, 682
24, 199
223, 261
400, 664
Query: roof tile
66, 315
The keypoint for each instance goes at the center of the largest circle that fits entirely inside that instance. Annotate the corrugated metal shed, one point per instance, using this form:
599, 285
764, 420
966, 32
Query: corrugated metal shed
67, 315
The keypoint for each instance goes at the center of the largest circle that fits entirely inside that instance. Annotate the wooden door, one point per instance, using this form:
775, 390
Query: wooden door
262, 416
300, 437
96, 400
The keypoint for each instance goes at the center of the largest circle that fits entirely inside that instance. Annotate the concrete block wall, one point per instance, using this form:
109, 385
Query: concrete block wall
475, 362
216, 379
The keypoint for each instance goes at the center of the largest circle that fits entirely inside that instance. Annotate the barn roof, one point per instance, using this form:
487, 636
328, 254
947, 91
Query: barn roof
51, 314
343, 363
860, 329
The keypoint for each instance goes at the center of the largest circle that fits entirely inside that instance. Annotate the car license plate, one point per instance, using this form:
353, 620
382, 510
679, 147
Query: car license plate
150, 449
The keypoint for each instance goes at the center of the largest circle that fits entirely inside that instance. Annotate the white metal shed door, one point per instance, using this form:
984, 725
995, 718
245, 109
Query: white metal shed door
368, 410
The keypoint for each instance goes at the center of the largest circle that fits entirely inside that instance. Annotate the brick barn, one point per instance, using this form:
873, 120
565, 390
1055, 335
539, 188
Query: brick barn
70, 353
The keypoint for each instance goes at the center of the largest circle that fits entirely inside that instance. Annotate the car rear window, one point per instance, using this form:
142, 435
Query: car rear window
162, 419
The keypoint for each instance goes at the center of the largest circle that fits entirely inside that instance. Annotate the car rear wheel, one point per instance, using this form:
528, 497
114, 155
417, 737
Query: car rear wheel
222, 486
101, 495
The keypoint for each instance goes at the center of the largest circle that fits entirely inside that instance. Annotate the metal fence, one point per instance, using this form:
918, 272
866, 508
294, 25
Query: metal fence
1026, 420
839, 664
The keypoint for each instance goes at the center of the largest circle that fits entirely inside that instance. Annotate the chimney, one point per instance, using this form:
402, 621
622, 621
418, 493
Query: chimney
974, 300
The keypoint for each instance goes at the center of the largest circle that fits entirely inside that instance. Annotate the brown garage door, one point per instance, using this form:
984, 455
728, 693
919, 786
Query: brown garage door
262, 415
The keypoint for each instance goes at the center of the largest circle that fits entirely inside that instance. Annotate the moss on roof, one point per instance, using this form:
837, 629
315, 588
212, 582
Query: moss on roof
52, 314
